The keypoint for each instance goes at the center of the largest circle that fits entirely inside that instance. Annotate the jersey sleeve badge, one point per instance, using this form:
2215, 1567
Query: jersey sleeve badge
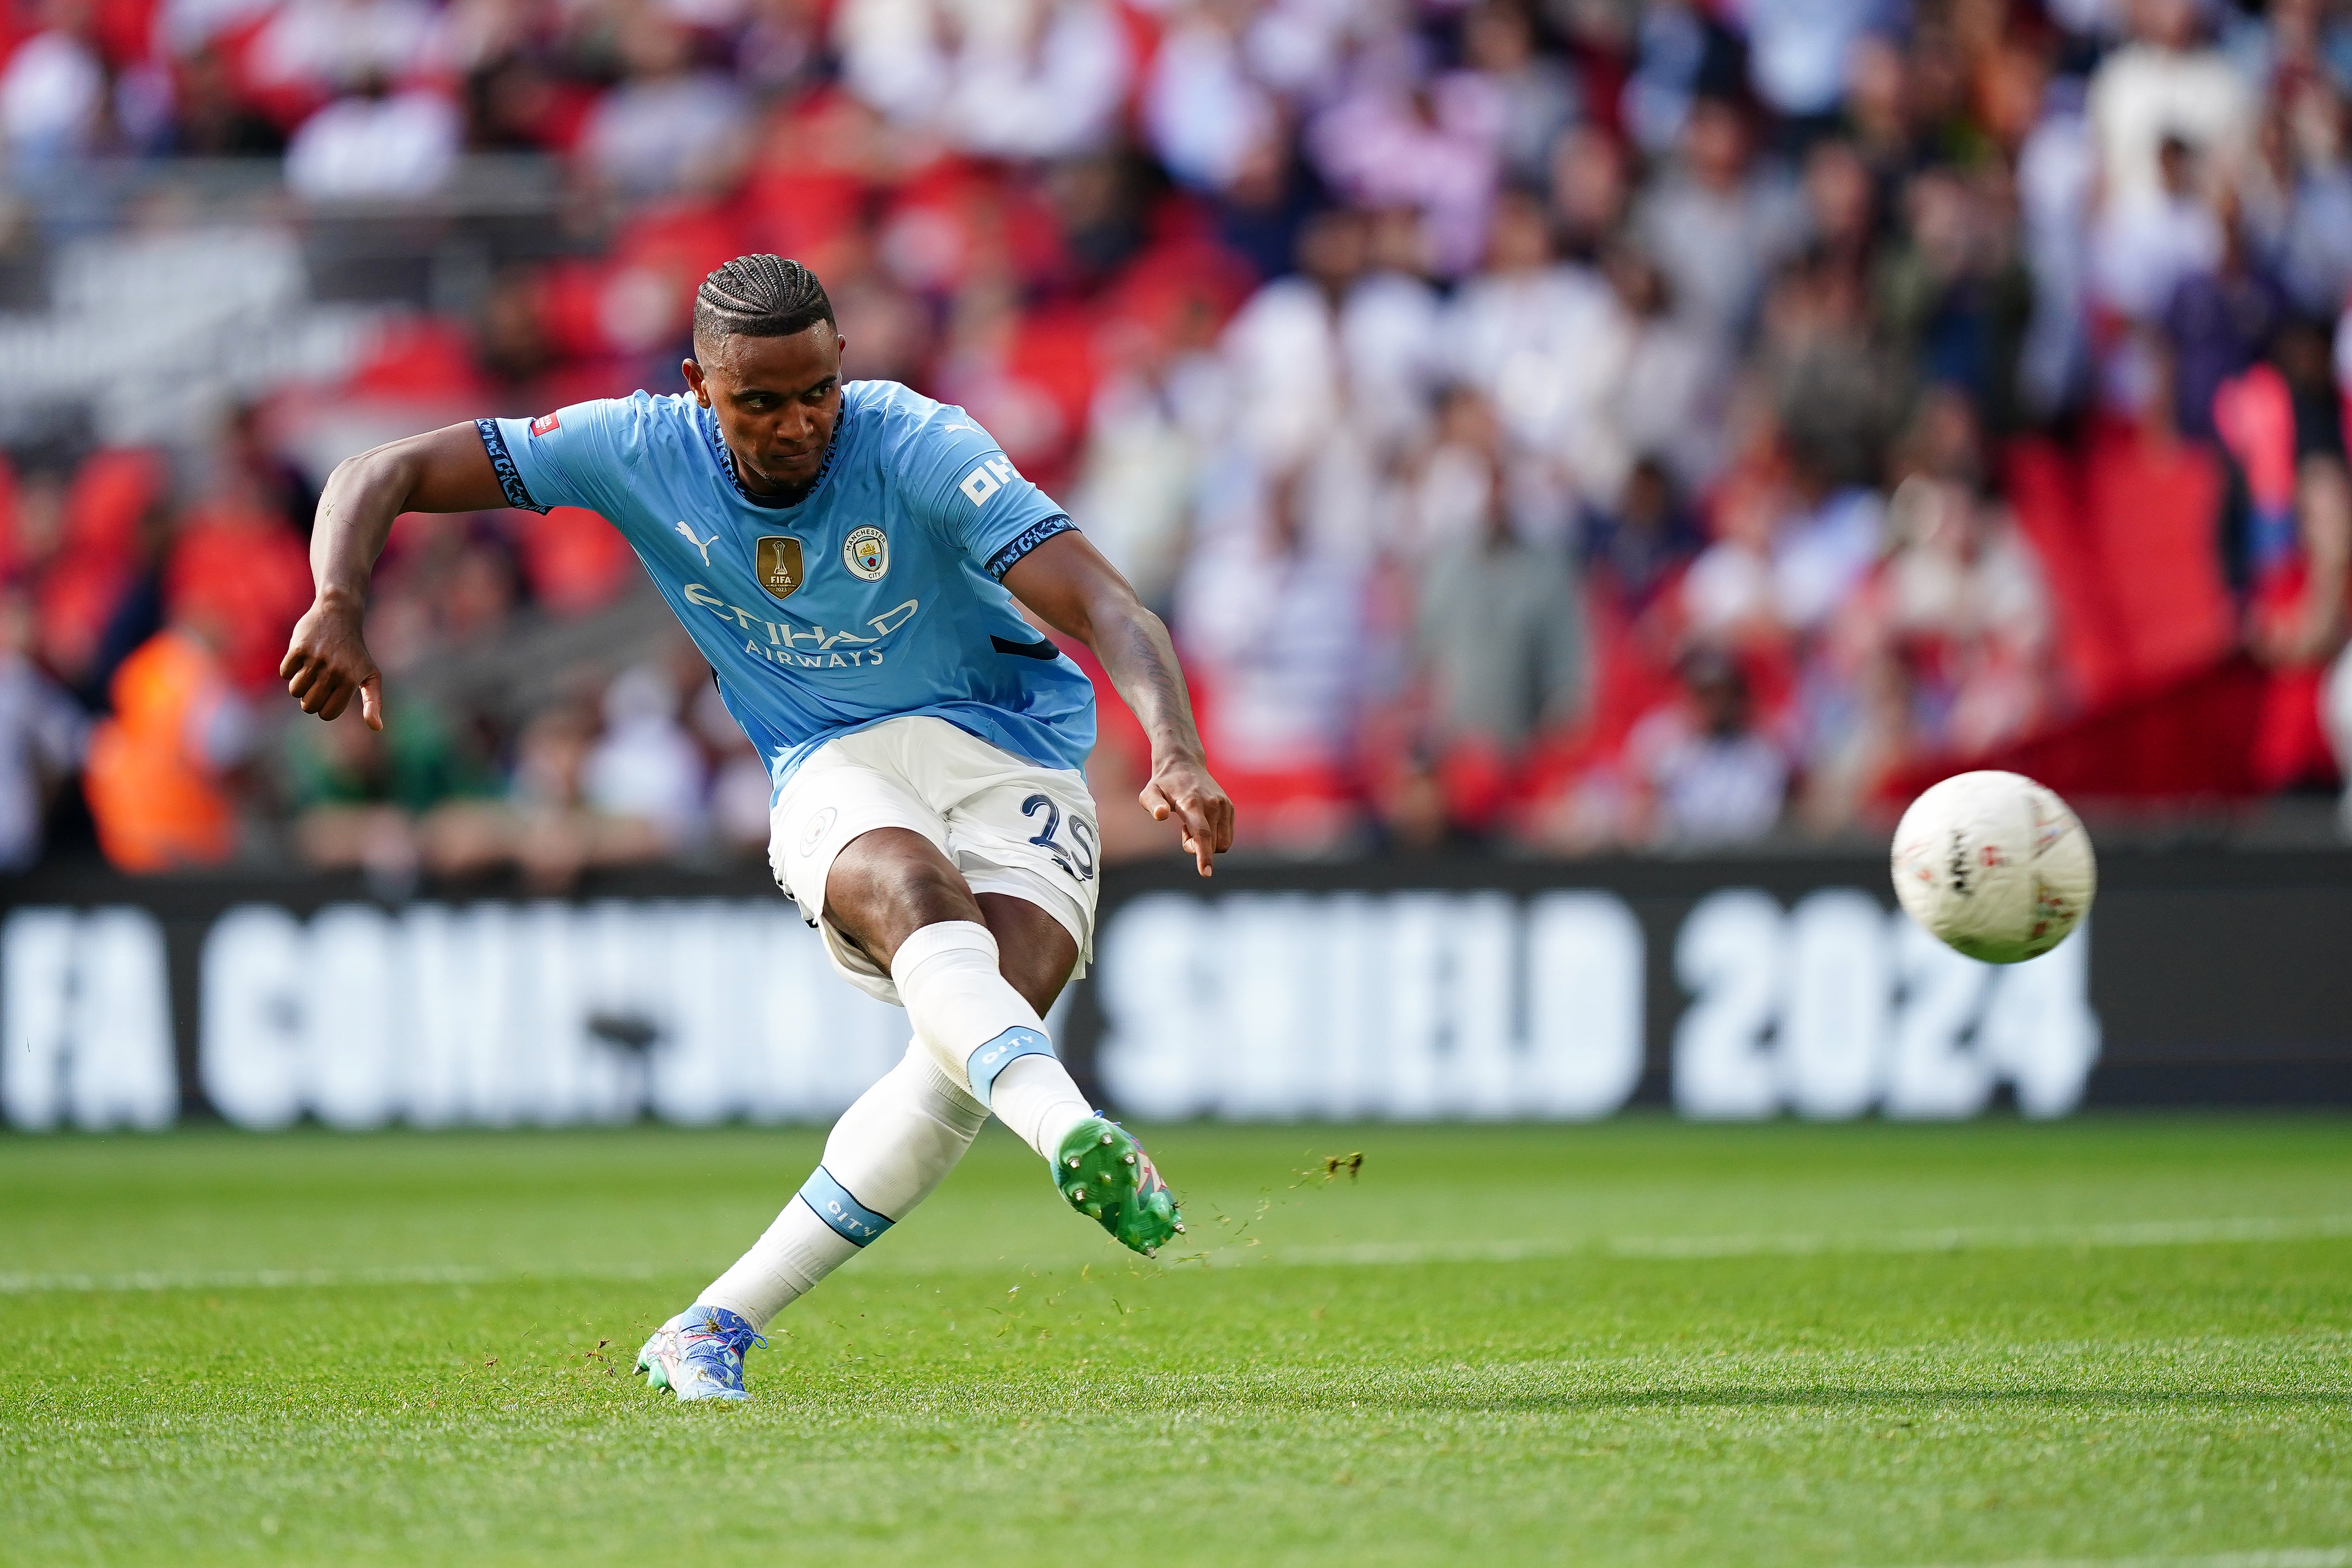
545, 423
986, 479
866, 553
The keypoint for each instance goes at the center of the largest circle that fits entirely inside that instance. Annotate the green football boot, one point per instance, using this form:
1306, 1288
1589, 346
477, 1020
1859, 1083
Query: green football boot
1107, 1176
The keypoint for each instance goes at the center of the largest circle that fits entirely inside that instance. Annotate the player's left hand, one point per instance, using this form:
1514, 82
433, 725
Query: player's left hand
1181, 787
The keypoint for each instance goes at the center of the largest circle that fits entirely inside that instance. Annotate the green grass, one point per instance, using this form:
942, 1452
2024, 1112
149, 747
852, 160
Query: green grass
1641, 1342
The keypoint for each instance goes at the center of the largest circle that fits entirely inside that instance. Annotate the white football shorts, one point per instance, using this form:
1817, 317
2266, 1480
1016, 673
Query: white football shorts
1008, 825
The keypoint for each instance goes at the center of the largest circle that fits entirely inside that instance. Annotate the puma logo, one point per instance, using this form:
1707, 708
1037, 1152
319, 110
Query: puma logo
702, 544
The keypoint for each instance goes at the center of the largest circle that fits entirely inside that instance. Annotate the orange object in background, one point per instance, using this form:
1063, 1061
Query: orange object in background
159, 802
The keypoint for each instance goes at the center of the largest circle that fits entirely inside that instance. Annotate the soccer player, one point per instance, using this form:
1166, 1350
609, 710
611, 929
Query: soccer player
847, 557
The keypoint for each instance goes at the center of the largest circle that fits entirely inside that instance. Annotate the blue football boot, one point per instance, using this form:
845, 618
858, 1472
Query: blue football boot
698, 1354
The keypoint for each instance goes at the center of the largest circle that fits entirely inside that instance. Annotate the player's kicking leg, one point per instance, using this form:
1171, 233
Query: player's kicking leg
976, 989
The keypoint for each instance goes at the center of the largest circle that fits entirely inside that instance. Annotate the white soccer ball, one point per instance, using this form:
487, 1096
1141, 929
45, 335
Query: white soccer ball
1994, 865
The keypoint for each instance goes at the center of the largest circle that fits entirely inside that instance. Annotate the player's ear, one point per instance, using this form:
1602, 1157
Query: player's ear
693, 374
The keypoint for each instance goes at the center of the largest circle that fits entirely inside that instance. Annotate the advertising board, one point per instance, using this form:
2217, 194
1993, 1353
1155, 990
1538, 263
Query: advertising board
1454, 988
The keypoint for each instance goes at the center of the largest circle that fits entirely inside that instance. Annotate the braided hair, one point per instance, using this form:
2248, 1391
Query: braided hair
759, 297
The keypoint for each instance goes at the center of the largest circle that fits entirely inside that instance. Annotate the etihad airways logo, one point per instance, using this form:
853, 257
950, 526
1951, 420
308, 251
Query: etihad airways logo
805, 648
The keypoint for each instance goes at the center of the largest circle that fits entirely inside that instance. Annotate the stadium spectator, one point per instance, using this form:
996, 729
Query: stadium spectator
2216, 323
43, 734
1271, 616
1886, 348
98, 541
1797, 53
2166, 86
1536, 94
1146, 434
666, 124
1530, 335
779, 53
1052, 90
249, 467
309, 48
739, 786
553, 830
2056, 170
1041, 78
1205, 112
2149, 243
364, 800
159, 772
645, 767
1336, 338
210, 117
53, 92
1717, 222
1502, 644
374, 143
1705, 775
1966, 615
1820, 548
1954, 300
2286, 423
2300, 200
1591, 187
1433, 148
1633, 550
1659, 384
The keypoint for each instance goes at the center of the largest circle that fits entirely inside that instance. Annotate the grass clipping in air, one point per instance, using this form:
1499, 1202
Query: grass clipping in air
1641, 1343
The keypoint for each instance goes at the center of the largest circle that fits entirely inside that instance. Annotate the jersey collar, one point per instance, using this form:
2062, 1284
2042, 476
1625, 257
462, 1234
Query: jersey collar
726, 460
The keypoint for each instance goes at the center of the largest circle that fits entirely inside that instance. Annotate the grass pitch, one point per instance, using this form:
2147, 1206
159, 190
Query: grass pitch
1641, 1342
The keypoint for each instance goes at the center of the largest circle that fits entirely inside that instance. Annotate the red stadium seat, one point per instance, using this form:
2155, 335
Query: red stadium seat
251, 572
574, 560
2194, 738
2045, 494
2153, 508
110, 492
420, 359
685, 240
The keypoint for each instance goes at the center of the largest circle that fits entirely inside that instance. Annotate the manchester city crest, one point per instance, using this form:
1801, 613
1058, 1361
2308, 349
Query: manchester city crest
777, 562
867, 552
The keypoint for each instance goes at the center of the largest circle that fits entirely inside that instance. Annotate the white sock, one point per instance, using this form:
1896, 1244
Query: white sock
1038, 1100
884, 1156
982, 1031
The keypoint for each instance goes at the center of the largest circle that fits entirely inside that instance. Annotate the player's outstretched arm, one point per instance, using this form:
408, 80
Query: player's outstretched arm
441, 470
1068, 584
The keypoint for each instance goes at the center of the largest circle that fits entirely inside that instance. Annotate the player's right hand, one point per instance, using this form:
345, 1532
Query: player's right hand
326, 661
1181, 787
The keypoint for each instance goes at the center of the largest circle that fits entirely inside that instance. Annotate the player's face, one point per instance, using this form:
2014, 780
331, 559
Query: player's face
777, 400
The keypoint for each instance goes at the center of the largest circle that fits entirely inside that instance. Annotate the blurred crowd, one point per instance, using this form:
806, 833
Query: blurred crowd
1566, 425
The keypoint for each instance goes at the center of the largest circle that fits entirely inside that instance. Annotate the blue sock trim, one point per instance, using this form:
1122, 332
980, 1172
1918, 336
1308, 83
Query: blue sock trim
986, 1061
853, 1221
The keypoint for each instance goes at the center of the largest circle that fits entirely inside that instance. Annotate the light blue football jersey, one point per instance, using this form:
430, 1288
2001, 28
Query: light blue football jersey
879, 595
